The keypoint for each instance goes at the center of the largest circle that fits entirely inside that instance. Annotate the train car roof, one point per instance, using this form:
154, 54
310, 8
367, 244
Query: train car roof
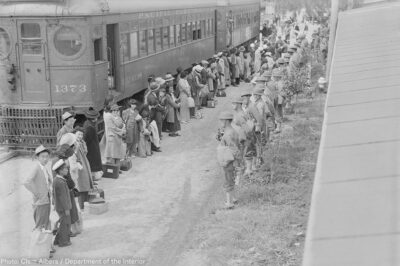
29, 8
354, 217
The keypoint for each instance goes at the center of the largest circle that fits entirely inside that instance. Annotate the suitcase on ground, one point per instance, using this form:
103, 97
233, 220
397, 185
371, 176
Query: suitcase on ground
96, 193
211, 104
126, 165
110, 170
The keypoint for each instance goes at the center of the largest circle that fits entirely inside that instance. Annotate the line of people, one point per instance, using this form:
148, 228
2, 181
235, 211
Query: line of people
258, 113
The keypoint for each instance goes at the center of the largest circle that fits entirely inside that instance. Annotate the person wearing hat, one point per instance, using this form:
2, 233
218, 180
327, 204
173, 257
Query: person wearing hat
243, 118
39, 183
221, 70
64, 152
169, 82
80, 168
254, 116
234, 68
227, 73
185, 92
69, 121
131, 117
213, 76
261, 129
199, 88
62, 203
90, 136
257, 59
114, 131
156, 111
228, 147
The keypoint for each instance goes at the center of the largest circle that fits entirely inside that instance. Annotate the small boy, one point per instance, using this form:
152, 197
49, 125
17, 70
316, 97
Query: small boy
62, 202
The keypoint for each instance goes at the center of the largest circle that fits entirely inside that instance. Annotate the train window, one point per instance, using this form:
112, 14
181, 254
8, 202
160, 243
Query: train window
212, 26
189, 34
178, 32
150, 41
98, 50
165, 41
248, 19
5, 43
67, 41
158, 39
203, 29
133, 45
194, 31
208, 27
172, 35
142, 43
31, 38
183, 33
125, 56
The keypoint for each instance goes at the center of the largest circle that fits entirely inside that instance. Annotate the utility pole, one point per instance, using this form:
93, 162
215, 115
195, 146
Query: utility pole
332, 35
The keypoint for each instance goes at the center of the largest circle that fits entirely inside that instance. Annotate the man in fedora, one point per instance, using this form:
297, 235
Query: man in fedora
39, 183
90, 136
69, 121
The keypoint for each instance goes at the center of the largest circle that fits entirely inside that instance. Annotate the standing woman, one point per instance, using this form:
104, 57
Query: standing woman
185, 93
131, 117
92, 142
114, 130
173, 123
80, 168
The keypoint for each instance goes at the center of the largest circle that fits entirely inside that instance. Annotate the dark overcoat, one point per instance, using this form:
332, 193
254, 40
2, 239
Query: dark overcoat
93, 148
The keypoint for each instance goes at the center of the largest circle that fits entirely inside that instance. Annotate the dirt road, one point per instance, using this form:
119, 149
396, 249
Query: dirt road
152, 207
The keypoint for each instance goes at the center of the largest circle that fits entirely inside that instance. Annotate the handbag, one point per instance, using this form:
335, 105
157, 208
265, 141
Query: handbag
126, 164
191, 103
40, 243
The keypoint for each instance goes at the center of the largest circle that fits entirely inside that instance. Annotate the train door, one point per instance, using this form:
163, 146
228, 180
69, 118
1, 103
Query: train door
33, 61
112, 55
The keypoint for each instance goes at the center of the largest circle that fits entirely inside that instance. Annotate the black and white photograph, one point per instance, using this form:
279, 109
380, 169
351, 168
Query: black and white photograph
199, 132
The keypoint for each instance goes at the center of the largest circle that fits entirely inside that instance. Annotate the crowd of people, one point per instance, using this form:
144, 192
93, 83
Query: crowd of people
258, 114
136, 129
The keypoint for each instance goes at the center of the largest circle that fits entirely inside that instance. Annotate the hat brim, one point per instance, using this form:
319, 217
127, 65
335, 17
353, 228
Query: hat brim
169, 79
41, 151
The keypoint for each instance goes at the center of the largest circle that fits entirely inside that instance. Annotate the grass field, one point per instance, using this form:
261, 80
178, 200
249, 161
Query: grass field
268, 226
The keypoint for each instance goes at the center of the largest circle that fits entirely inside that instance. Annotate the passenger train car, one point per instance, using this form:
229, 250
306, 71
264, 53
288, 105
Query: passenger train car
55, 54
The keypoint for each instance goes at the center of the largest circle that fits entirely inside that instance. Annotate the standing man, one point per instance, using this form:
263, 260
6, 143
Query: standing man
69, 121
228, 154
62, 204
39, 183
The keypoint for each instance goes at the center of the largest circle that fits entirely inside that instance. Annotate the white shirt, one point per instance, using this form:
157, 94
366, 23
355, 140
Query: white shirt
46, 174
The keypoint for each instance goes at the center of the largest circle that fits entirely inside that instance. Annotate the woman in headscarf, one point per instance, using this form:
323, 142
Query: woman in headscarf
172, 105
185, 93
